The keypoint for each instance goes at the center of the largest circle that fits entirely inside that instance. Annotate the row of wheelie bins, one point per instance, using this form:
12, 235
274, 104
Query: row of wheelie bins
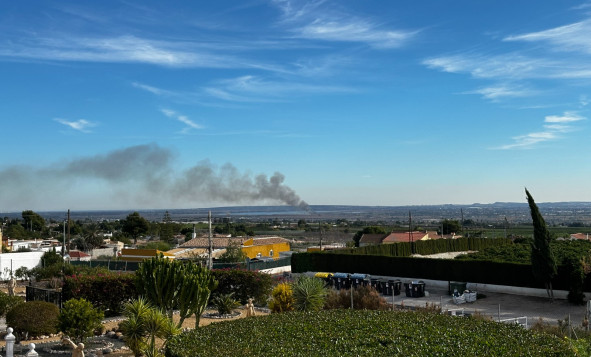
386, 287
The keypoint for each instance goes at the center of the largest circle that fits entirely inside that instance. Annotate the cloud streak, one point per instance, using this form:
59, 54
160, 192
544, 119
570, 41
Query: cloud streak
126, 175
127, 49
310, 20
557, 125
80, 125
189, 124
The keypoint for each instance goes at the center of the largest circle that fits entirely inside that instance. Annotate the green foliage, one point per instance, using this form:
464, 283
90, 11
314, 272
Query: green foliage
233, 254
450, 226
33, 220
367, 230
542, 258
244, 284
33, 318
281, 298
7, 302
364, 333
160, 245
144, 324
135, 225
364, 298
432, 246
225, 303
309, 294
171, 284
576, 274
107, 291
51, 258
78, 319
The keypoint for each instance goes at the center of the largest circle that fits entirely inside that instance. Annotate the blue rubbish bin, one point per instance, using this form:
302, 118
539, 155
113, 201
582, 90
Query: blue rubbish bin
359, 280
341, 281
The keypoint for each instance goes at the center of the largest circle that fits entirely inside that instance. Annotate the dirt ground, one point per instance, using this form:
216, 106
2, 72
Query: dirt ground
188, 323
110, 325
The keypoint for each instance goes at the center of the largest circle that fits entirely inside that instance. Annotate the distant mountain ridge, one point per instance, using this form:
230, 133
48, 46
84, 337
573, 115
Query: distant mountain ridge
554, 212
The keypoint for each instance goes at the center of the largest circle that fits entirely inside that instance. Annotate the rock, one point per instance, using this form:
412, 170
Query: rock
106, 351
111, 334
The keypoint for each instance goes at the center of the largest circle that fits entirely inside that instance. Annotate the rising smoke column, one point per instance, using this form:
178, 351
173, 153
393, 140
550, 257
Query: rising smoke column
139, 175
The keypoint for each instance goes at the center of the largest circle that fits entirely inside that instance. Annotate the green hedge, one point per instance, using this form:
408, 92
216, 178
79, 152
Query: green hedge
107, 291
432, 246
363, 333
243, 284
475, 271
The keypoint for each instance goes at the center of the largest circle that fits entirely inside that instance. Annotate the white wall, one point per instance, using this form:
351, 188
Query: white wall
29, 260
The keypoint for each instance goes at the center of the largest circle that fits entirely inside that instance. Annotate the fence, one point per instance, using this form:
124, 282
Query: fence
33, 293
119, 265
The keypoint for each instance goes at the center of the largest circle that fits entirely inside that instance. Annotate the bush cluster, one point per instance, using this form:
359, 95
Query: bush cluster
107, 291
33, 318
364, 298
243, 284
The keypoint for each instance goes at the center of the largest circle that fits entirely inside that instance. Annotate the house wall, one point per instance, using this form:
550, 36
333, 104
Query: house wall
29, 260
264, 250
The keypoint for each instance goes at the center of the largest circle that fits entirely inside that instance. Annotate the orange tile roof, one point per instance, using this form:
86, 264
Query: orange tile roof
396, 237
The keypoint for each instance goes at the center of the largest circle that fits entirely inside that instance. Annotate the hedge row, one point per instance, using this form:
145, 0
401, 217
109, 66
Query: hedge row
432, 246
475, 271
363, 333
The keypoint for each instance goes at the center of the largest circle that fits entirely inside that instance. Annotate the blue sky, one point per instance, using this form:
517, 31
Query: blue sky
146, 104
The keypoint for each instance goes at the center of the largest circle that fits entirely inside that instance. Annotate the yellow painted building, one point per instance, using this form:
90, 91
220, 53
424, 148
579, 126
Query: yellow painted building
137, 255
268, 247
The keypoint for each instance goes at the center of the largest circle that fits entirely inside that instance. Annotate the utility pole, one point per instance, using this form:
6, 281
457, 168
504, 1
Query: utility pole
210, 259
69, 225
320, 231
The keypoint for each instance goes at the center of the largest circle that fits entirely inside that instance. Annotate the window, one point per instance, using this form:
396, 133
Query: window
271, 253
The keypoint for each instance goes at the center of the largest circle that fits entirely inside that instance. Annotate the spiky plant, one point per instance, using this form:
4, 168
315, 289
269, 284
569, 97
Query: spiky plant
309, 294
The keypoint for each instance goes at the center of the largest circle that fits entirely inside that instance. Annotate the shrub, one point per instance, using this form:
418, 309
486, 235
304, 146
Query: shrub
33, 318
143, 325
281, 298
244, 284
308, 294
225, 303
364, 333
107, 291
7, 302
364, 298
79, 319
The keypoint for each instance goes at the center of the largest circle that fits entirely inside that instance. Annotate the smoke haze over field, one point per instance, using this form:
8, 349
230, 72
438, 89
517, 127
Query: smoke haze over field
137, 176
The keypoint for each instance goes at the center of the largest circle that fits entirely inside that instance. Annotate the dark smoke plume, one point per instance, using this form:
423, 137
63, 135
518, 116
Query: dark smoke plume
137, 176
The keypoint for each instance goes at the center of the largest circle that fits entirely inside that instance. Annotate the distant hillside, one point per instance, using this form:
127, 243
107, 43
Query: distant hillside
554, 213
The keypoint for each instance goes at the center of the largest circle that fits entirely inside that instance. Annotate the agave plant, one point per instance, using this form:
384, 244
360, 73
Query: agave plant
309, 294
225, 303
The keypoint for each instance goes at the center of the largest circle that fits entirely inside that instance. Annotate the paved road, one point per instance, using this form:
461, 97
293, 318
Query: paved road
501, 305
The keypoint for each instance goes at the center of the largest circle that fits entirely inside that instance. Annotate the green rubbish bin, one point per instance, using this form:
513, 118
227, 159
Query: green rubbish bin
456, 285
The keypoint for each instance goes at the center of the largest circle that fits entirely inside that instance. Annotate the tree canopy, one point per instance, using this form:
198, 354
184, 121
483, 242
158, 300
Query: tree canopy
135, 225
542, 258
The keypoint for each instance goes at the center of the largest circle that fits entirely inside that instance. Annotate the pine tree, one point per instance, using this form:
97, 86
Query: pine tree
542, 257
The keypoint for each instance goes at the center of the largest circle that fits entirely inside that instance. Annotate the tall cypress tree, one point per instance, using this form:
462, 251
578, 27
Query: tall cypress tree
542, 257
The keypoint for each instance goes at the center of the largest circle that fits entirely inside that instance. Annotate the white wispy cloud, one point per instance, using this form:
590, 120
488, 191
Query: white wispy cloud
80, 125
189, 124
573, 37
497, 92
257, 89
128, 49
558, 125
152, 89
310, 20
567, 117
353, 30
